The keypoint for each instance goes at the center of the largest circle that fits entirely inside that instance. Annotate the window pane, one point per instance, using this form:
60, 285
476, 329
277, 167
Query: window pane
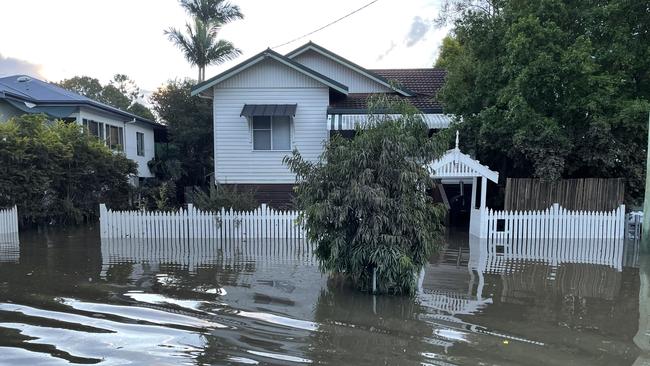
262, 122
93, 128
139, 136
281, 133
261, 140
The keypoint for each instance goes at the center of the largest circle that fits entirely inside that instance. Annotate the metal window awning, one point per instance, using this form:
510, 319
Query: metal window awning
269, 110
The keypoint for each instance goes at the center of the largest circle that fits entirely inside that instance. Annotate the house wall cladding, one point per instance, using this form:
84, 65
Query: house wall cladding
592, 194
266, 83
356, 82
130, 141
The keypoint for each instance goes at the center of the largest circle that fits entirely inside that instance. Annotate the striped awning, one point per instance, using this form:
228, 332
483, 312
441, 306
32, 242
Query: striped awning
336, 122
270, 110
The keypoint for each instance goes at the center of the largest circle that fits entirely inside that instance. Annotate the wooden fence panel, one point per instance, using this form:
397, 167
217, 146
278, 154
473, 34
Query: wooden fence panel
591, 194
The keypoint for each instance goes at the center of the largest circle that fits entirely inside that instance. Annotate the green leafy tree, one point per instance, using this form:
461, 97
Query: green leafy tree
218, 12
55, 173
365, 203
121, 92
551, 88
200, 44
449, 49
189, 125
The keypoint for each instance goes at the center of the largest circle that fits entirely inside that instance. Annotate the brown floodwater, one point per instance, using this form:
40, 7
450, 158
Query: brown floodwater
68, 298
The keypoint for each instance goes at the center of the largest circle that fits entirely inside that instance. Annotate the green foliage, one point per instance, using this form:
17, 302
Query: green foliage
365, 202
189, 125
213, 11
449, 49
200, 44
227, 197
552, 88
166, 196
57, 174
121, 92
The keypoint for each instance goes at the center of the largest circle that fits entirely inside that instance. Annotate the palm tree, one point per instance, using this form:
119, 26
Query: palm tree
199, 43
217, 12
201, 47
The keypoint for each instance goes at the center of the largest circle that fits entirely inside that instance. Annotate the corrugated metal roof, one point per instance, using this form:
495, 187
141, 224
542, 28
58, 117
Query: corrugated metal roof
29, 89
251, 110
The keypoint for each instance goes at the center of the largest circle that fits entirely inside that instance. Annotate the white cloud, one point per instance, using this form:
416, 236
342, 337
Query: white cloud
13, 66
419, 29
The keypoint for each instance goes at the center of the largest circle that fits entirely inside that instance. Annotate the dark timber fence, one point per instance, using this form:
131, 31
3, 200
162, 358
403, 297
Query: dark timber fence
590, 194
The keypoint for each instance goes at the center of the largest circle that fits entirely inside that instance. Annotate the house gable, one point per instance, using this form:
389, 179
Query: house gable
269, 73
357, 78
271, 56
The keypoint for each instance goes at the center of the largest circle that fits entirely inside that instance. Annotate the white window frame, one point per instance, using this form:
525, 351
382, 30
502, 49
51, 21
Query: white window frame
252, 134
119, 146
100, 128
139, 143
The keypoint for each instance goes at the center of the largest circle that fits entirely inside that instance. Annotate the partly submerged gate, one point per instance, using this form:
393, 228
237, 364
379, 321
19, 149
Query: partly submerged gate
457, 166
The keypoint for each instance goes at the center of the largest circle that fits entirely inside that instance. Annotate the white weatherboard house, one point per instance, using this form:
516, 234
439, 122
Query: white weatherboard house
122, 131
270, 104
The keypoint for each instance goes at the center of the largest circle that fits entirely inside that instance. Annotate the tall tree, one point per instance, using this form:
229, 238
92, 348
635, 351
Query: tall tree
218, 12
551, 89
189, 124
200, 44
121, 92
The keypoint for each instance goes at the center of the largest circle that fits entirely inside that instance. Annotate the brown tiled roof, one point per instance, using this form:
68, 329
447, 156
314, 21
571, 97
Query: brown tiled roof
359, 101
424, 82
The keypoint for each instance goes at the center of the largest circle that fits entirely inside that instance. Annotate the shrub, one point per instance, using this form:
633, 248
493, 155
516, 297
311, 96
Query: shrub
218, 197
55, 173
365, 203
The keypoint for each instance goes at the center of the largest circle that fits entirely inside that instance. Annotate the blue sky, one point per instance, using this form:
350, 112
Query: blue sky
60, 39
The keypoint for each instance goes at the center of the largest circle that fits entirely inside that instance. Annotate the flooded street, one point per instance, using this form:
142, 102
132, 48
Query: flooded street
67, 298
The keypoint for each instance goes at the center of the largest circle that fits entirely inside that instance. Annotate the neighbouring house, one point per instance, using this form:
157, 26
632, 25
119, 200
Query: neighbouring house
122, 131
271, 104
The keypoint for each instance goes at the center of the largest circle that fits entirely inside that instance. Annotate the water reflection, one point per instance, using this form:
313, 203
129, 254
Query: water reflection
70, 298
9, 248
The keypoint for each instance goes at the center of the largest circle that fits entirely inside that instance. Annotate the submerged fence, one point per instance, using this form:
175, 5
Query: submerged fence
264, 222
554, 223
9, 221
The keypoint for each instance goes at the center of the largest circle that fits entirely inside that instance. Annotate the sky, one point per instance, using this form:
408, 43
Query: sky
60, 39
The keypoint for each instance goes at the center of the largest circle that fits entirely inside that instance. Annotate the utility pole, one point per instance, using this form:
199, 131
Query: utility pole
645, 236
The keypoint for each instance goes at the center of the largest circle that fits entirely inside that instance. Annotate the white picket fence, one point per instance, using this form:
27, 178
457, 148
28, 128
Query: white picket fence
554, 223
9, 221
264, 222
